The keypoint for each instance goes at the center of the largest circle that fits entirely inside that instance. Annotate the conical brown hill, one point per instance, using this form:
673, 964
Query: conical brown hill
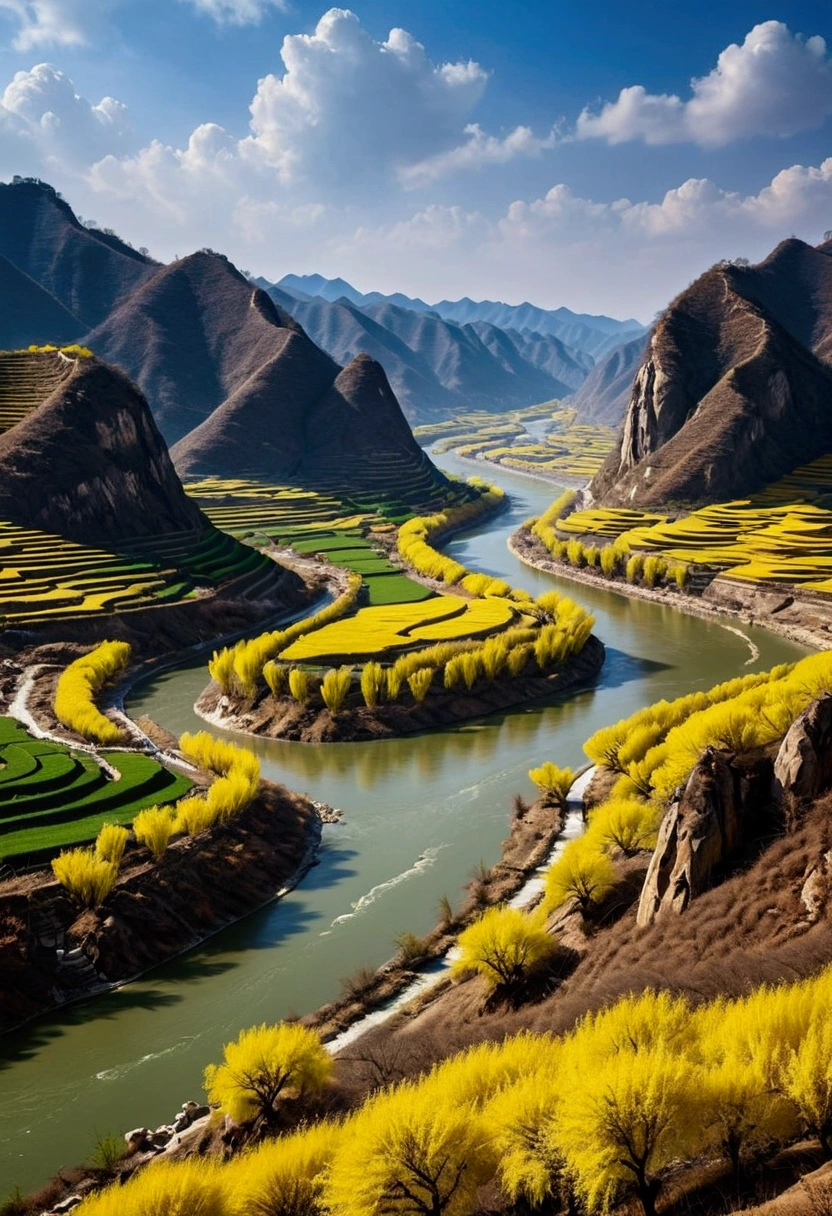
88, 462
262, 428
191, 337
358, 436
735, 389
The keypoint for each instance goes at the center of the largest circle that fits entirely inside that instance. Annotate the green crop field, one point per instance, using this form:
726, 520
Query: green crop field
52, 797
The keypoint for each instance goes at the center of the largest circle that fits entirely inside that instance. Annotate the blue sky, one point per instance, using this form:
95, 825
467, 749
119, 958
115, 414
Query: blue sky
538, 150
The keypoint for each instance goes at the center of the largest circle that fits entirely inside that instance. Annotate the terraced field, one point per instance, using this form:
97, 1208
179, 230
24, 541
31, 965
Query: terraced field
26, 379
782, 535
315, 522
52, 797
43, 576
567, 448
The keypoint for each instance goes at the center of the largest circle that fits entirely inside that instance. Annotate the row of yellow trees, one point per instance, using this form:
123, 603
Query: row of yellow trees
238, 668
80, 683
562, 631
89, 874
597, 1115
415, 536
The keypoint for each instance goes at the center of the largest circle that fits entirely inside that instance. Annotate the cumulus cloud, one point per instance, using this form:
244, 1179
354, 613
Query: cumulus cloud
479, 149
236, 12
56, 22
776, 83
41, 111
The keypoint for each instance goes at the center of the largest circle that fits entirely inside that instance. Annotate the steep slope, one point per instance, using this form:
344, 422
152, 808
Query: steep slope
191, 336
605, 393
87, 461
568, 368
736, 384
87, 271
344, 331
344, 431
28, 314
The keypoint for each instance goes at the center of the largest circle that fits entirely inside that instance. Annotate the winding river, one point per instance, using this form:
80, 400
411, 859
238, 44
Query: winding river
419, 813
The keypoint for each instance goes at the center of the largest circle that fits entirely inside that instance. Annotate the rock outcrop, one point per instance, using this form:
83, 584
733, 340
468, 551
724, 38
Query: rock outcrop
735, 385
701, 828
803, 768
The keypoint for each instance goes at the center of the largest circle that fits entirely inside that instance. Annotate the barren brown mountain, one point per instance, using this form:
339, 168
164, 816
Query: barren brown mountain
735, 388
87, 460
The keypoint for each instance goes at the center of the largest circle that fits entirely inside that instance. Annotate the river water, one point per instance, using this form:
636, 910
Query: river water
419, 814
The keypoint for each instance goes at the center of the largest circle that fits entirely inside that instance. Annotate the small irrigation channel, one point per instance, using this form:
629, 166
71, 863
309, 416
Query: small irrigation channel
419, 814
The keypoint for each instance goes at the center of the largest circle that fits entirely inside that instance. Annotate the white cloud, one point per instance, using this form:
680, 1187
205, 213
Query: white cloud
56, 22
41, 112
775, 84
478, 150
236, 12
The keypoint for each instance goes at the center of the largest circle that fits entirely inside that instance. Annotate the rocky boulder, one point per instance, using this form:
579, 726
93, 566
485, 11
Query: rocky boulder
701, 828
803, 768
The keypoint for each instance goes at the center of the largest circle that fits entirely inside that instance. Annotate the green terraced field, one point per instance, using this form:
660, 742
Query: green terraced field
52, 797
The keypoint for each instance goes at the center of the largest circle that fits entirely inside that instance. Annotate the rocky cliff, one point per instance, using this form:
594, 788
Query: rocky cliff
735, 388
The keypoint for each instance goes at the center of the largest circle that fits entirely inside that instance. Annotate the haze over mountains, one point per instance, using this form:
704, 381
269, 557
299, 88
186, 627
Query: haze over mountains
233, 382
735, 389
456, 354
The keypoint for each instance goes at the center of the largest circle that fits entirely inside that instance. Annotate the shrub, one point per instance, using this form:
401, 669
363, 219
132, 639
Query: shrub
411, 947
263, 1065
335, 688
502, 945
680, 575
393, 683
372, 683
635, 567
575, 553
275, 675
625, 823
420, 683
154, 827
194, 815
553, 780
110, 843
300, 685
582, 872
609, 561
87, 878
175, 1188
78, 686
655, 569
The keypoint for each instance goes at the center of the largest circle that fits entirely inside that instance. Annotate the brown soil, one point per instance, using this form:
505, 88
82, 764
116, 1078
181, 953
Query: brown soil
284, 718
156, 910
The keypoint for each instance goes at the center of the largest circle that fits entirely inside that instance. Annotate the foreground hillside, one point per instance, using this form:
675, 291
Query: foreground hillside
734, 388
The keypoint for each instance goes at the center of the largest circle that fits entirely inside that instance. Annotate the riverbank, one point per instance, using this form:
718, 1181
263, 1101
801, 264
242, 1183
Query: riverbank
549, 479
781, 611
284, 718
52, 953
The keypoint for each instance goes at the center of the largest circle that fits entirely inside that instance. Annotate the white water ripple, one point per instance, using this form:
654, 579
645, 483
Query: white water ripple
121, 1070
423, 862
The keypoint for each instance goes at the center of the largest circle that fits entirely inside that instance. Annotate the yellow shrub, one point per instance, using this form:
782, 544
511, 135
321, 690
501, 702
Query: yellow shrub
154, 828
88, 879
110, 842
502, 945
263, 1065
166, 1188
552, 780
420, 683
582, 872
335, 688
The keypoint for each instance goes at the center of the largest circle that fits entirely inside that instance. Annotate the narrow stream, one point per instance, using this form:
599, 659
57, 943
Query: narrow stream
419, 814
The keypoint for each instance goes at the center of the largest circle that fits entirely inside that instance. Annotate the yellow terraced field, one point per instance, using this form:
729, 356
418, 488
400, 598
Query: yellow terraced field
377, 631
781, 535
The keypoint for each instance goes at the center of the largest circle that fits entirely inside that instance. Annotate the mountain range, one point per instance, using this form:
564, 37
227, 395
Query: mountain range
457, 355
234, 383
735, 387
